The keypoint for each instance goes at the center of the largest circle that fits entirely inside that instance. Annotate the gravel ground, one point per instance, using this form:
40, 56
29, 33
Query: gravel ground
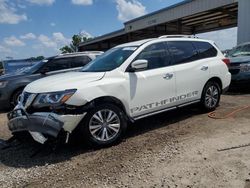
173, 149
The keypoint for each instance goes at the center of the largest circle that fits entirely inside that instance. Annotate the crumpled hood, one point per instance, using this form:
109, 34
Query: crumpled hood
61, 82
241, 59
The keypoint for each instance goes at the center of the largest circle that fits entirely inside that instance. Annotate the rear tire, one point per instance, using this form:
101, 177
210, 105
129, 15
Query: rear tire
210, 96
104, 125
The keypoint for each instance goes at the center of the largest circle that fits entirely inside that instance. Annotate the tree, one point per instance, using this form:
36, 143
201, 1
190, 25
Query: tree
73, 46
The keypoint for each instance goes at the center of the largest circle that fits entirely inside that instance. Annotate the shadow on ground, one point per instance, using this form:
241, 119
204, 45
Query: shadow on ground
20, 154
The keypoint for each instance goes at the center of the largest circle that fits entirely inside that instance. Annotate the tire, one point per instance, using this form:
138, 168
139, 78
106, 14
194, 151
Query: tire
96, 126
210, 96
15, 97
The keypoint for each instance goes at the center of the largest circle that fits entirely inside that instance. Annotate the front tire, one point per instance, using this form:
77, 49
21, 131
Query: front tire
104, 125
15, 97
210, 96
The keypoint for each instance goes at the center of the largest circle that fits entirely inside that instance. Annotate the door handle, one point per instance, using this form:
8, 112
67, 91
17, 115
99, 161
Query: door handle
168, 76
204, 68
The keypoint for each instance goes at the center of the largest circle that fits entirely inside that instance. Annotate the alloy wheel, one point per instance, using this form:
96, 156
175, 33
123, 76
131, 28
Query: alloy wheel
104, 125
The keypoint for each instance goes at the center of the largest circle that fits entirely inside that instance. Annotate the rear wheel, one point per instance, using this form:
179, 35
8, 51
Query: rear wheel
104, 125
210, 96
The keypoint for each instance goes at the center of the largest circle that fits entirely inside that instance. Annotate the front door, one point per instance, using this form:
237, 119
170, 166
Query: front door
152, 89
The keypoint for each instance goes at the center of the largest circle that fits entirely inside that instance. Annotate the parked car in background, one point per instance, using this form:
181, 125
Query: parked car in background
1, 68
11, 66
129, 82
11, 85
240, 64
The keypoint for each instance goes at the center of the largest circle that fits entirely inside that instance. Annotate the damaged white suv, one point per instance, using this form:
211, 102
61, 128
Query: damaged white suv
127, 83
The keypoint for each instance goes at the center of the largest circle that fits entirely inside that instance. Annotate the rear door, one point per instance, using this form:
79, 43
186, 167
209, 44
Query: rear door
191, 71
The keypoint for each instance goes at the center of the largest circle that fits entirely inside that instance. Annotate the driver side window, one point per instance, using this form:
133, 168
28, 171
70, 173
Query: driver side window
156, 55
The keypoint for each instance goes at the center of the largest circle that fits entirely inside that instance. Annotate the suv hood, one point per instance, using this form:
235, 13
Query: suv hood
61, 82
241, 59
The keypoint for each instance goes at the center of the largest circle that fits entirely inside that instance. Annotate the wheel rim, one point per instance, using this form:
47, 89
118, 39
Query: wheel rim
104, 125
212, 96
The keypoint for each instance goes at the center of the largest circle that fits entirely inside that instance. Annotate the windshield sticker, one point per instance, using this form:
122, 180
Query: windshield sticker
45, 60
164, 102
130, 48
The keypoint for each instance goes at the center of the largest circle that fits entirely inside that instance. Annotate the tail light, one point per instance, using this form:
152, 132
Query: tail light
226, 61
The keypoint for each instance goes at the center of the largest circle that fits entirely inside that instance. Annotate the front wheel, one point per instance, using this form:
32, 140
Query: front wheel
210, 96
104, 125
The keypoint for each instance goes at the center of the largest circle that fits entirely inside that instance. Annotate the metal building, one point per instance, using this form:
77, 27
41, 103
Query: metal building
188, 17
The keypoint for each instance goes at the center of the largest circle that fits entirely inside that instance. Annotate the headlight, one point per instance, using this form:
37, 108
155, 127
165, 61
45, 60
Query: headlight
3, 84
53, 99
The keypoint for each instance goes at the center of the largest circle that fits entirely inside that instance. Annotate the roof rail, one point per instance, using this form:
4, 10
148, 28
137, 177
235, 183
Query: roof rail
84, 52
177, 36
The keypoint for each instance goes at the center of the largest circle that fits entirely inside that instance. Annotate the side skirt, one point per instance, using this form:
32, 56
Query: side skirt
164, 110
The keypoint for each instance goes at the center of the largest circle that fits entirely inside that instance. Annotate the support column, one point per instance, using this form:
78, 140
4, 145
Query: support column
243, 21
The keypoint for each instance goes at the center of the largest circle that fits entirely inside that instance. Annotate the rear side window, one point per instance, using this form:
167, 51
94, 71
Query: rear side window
182, 51
79, 61
58, 64
156, 54
205, 49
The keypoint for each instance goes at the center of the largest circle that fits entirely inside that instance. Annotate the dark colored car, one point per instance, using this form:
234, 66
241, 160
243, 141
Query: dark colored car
12, 85
1, 68
240, 64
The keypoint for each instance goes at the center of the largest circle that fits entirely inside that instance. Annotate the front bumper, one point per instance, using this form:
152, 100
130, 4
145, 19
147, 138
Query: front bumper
40, 125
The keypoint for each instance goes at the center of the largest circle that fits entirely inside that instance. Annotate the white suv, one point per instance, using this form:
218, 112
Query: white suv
127, 83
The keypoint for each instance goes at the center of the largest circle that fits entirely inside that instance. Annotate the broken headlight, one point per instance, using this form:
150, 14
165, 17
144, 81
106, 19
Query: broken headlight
52, 99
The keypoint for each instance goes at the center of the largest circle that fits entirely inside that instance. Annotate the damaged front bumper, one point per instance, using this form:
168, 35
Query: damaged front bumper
40, 125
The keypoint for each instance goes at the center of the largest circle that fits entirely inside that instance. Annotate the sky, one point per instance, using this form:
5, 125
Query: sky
30, 28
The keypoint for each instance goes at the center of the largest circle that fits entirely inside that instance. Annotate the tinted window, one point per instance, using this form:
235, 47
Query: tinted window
58, 64
205, 49
182, 51
242, 50
156, 55
80, 61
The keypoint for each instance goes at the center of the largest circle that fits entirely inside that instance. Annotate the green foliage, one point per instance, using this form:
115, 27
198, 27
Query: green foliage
38, 58
73, 46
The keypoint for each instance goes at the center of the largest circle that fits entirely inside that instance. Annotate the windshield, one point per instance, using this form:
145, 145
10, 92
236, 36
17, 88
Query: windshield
34, 68
243, 50
110, 60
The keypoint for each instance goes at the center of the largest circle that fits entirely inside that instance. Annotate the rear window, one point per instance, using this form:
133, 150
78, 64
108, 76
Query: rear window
182, 51
205, 49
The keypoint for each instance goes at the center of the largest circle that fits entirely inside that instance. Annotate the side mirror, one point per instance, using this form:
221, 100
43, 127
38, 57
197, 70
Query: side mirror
140, 64
44, 70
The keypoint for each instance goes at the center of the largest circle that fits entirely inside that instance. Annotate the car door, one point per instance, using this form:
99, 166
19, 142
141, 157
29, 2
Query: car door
151, 89
190, 70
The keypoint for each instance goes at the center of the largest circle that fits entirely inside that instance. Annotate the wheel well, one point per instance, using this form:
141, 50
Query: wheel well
18, 89
109, 99
217, 80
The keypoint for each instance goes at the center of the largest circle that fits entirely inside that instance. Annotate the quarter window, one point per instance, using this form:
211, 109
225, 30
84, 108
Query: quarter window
182, 51
205, 49
156, 55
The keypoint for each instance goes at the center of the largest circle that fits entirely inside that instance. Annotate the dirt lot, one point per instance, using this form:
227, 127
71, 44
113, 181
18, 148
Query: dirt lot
174, 149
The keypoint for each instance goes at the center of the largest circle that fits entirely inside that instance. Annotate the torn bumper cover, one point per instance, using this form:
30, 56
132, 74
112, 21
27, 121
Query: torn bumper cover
40, 124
